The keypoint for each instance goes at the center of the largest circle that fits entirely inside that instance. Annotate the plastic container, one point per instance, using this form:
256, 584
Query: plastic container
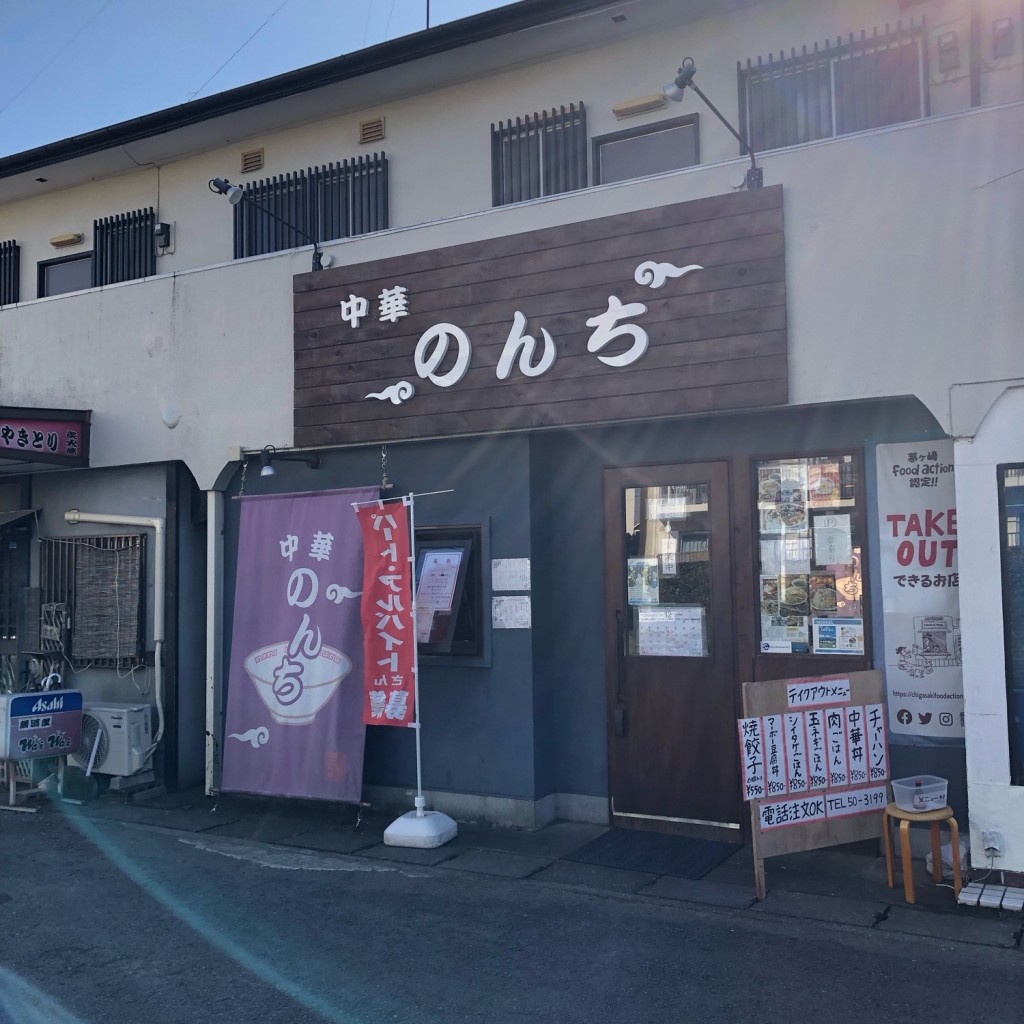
919, 793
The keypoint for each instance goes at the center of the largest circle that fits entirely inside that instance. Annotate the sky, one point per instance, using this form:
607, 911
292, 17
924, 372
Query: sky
71, 66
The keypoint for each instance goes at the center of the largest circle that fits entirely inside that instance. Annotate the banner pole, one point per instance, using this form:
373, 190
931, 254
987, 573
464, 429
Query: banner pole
420, 802
418, 828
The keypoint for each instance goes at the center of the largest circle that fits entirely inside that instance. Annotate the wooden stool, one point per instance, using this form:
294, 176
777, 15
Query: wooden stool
905, 818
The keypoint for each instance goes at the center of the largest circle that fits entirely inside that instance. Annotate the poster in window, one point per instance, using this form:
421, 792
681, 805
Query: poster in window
823, 485
794, 598
438, 575
824, 597
833, 540
642, 580
838, 636
678, 632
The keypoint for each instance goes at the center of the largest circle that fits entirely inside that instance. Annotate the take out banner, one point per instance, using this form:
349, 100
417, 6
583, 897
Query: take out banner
389, 638
920, 588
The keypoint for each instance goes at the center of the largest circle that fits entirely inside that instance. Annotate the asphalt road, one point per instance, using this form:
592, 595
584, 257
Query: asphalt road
104, 923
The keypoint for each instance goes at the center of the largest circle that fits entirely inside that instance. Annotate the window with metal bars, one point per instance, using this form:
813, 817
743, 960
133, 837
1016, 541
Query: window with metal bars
539, 155
845, 86
338, 200
10, 272
123, 247
92, 599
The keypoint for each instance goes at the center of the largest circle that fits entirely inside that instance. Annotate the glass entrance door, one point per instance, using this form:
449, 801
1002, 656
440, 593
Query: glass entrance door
671, 673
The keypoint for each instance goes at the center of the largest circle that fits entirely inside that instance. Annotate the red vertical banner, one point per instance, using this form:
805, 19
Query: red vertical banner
389, 638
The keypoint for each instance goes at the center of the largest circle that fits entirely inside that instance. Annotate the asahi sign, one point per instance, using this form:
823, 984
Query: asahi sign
672, 311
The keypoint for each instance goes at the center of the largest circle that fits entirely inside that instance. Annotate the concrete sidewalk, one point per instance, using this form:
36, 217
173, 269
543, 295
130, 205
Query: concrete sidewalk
834, 885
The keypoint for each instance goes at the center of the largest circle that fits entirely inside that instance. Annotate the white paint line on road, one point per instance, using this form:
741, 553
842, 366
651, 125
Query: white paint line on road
286, 860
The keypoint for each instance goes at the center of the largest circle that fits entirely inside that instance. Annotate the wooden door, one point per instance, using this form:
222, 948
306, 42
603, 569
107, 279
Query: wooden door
671, 684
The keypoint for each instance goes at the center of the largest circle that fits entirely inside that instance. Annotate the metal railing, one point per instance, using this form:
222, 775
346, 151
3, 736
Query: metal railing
338, 200
539, 155
124, 248
10, 272
850, 85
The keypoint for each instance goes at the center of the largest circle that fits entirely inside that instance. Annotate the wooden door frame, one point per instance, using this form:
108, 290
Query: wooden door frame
612, 632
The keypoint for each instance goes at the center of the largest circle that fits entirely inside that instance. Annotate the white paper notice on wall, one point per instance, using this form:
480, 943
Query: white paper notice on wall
510, 574
510, 612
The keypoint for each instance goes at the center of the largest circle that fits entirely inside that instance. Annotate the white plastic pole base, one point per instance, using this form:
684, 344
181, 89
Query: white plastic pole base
423, 830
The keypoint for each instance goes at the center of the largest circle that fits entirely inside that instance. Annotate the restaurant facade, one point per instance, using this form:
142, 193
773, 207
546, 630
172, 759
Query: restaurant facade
682, 425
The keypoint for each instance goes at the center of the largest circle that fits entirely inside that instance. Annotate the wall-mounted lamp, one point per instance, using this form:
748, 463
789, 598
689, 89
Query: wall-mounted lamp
270, 455
675, 90
71, 238
236, 194
639, 105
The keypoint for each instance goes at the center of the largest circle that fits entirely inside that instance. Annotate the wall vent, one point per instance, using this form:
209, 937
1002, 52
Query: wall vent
252, 161
371, 131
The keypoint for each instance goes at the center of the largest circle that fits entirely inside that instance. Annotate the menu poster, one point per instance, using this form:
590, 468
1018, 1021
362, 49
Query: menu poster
793, 485
823, 483
794, 598
769, 484
783, 634
642, 580
769, 595
824, 596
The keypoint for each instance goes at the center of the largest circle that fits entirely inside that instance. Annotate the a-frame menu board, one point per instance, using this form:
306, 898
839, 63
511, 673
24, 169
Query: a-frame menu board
814, 754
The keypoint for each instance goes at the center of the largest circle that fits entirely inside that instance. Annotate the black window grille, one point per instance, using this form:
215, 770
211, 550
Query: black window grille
287, 211
92, 599
123, 247
539, 155
10, 272
844, 86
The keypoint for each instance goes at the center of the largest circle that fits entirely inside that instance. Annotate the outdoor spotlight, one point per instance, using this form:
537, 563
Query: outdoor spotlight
235, 193
674, 91
270, 455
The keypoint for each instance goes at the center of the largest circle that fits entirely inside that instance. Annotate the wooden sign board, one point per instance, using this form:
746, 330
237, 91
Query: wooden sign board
664, 312
814, 759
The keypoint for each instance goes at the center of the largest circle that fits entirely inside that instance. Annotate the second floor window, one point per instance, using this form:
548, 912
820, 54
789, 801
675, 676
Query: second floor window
66, 274
338, 200
124, 249
845, 86
539, 155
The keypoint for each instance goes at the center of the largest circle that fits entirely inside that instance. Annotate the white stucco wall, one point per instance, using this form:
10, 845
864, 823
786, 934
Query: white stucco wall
994, 803
898, 244
898, 240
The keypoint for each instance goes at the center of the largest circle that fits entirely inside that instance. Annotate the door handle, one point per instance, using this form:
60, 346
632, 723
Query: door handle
619, 645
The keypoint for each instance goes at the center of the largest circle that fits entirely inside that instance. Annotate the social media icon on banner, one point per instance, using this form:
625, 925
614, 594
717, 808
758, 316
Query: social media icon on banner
904, 717
946, 719
924, 717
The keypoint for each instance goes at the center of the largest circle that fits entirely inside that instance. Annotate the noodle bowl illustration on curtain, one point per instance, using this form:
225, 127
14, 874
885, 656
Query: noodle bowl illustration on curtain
294, 705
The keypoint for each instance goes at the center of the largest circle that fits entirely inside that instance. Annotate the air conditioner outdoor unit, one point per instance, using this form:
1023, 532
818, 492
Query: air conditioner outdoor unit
120, 736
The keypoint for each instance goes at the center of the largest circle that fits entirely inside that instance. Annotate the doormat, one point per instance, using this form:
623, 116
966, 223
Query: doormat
654, 853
